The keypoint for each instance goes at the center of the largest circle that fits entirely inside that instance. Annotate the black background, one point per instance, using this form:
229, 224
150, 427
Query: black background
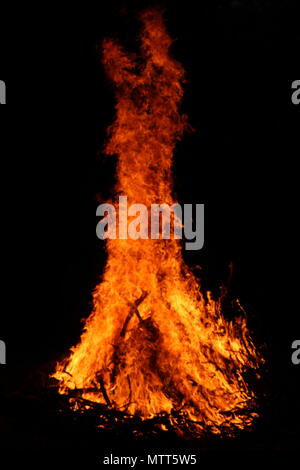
241, 59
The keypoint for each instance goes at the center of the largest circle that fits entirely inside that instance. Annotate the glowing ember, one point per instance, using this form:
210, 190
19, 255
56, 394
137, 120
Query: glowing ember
153, 343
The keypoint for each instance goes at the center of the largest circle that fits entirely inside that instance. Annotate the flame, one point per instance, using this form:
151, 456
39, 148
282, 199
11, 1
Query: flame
154, 343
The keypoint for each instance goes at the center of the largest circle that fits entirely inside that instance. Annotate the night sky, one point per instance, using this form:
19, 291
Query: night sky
241, 58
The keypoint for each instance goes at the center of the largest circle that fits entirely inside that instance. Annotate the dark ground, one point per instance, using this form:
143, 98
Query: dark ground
241, 58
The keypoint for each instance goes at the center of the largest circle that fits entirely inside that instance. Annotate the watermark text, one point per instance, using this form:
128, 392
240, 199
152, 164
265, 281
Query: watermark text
296, 353
296, 93
162, 221
2, 92
2, 352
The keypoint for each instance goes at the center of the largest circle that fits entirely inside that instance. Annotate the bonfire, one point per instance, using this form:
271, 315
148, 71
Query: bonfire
155, 344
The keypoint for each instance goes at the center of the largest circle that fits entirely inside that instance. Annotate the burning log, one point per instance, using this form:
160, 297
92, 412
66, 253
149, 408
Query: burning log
133, 310
117, 355
103, 390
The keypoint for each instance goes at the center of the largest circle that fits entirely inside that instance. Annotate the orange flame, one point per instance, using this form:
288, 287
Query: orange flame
153, 343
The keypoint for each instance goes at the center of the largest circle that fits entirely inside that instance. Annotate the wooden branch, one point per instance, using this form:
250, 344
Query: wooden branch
117, 354
133, 310
103, 390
